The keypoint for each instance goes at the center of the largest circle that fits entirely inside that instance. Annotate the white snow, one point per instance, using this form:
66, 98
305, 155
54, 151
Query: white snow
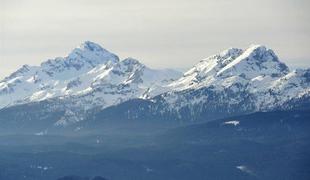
42, 133
235, 123
89, 72
41, 167
255, 70
244, 168
91, 76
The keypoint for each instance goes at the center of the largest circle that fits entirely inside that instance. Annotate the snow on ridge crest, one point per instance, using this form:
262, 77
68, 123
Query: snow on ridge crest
91, 76
85, 56
88, 71
231, 66
91, 46
255, 72
231, 52
254, 61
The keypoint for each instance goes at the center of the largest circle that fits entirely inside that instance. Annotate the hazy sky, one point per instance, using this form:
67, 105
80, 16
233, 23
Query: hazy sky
160, 33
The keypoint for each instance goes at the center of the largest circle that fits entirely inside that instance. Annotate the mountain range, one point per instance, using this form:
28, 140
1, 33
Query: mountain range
92, 86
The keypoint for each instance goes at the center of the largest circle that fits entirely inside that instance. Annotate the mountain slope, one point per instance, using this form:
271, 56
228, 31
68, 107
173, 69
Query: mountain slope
92, 84
232, 82
35, 83
232, 64
90, 76
252, 79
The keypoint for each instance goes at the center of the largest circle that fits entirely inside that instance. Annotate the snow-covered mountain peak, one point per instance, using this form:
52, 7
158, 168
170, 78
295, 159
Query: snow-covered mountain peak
19, 72
130, 61
259, 53
92, 53
131, 64
128, 65
90, 74
91, 46
214, 63
206, 69
232, 65
80, 60
90, 77
231, 52
255, 61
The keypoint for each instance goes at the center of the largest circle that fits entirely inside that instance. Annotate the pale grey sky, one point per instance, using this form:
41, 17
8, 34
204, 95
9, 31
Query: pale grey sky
161, 33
